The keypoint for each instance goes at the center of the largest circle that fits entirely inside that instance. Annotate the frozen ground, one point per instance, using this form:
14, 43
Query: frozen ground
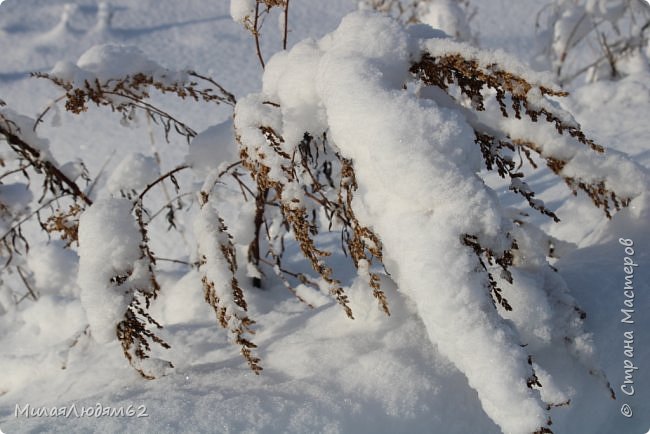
322, 372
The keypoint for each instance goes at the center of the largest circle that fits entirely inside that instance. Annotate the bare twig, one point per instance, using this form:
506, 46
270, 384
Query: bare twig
160, 179
92, 185
29, 216
256, 33
26, 283
33, 155
177, 261
40, 117
286, 25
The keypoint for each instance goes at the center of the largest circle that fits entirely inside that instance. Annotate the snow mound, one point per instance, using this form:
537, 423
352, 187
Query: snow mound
133, 173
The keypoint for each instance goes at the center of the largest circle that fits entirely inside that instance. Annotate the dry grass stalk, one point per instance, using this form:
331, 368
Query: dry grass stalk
504, 260
128, 94
472, 80
307, 167
505, 166
598, 193
133, 331
232, 318
363, 243
255, 22
32, 162
54, 180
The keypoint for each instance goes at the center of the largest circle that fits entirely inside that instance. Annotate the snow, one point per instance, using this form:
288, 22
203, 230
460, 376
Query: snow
212, 149
104, 16
582, 33
400, 148
448, 16
16, 197
241, 10
489, 57
444, 361
211, 239
133, 173
110, 61
109, 242
54, 268
357, 81
609, 10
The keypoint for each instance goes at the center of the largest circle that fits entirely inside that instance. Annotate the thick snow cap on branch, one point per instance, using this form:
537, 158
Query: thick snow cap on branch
109, 249
112, 61
416, 163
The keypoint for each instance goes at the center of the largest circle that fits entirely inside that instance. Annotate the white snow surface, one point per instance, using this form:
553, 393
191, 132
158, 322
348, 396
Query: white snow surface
133, 173
427, 368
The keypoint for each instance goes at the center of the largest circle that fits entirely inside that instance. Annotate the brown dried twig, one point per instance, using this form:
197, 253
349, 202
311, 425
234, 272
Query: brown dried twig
133, 331
472, 79
127, 94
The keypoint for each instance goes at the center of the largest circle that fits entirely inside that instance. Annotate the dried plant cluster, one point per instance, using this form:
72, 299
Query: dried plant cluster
471, 80
134, 330
300, 191
62, 200
65, 223
218, 267
127, 95
470, 84
314, 180
592, 39
29, 159
297, 183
